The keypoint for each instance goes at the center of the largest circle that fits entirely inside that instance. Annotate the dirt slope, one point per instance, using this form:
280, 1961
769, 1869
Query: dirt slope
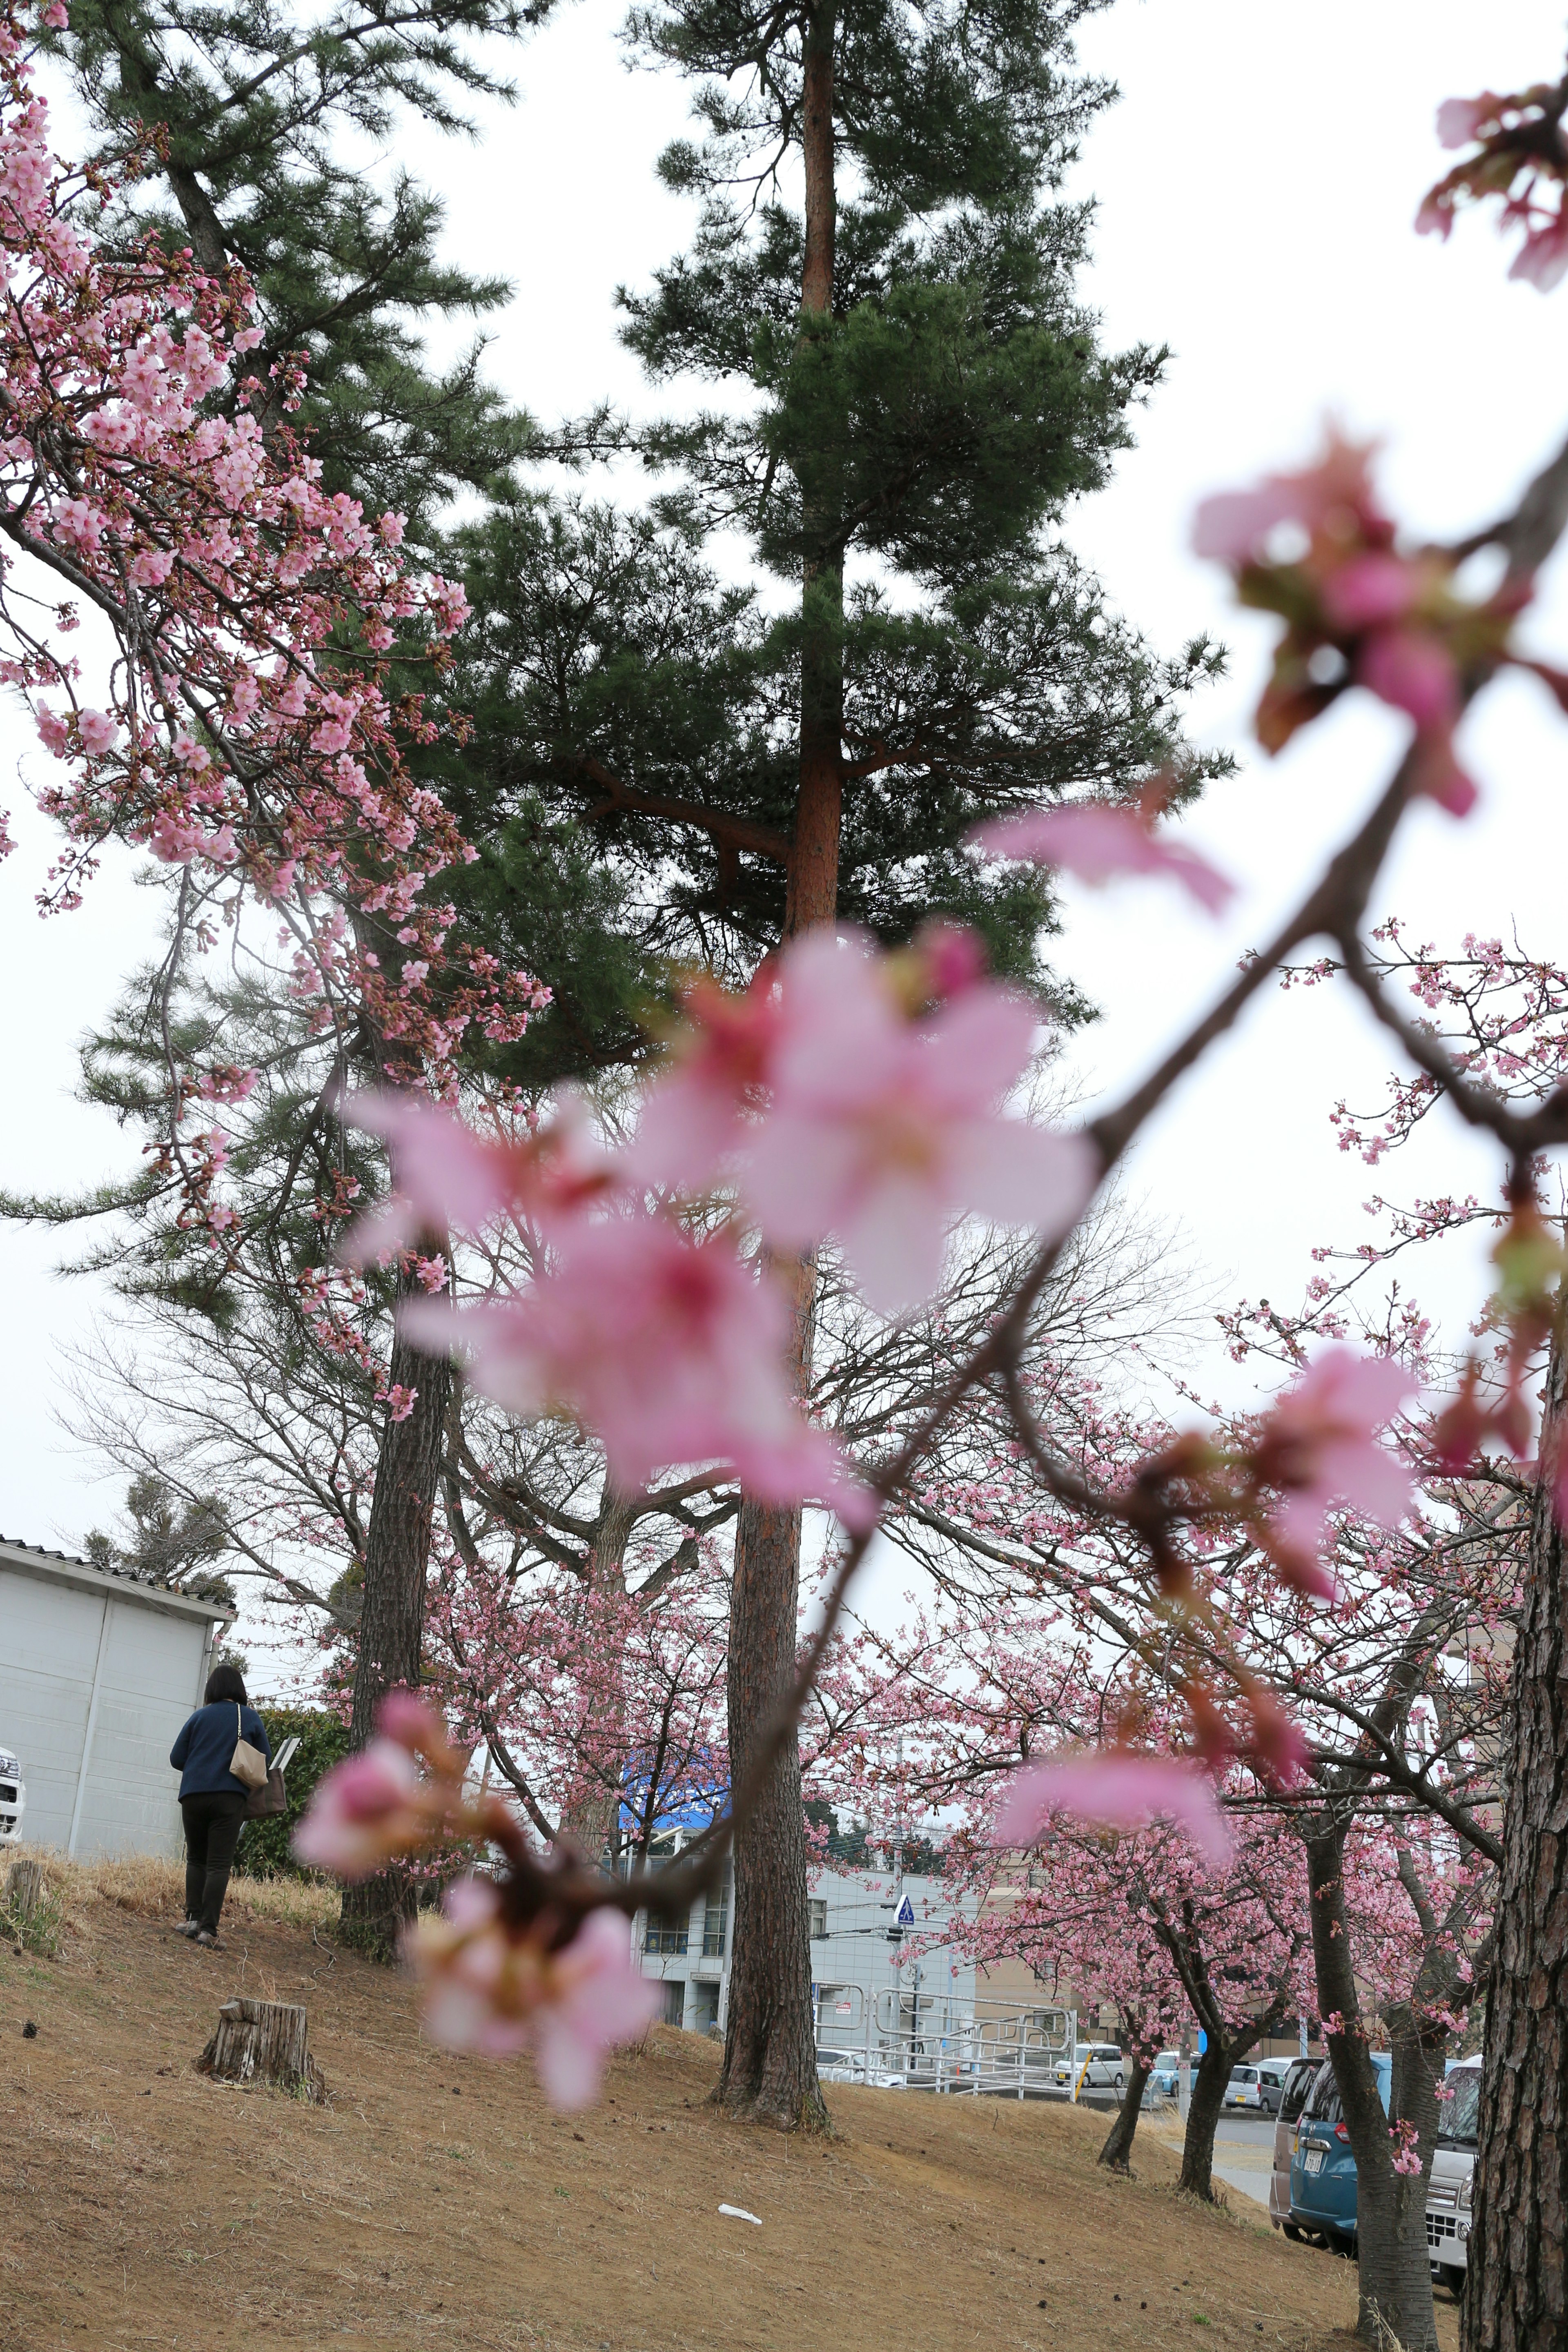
436, 2206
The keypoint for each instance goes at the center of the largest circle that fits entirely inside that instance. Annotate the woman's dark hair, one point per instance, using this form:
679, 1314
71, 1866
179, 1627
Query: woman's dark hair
226, 1683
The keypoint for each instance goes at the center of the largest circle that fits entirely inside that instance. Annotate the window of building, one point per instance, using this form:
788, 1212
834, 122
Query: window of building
664, 1931
715, 1924
674, 2000
818, 1918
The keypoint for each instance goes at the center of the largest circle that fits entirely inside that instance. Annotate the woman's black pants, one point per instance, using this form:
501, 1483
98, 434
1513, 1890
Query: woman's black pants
212, 1832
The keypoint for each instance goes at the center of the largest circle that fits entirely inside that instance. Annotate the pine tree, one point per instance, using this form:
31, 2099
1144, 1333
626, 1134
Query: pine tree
254, 111
920, 396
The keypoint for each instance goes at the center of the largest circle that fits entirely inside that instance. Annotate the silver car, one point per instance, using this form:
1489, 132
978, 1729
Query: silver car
1096, 2065
1299, 2077
1258, 2087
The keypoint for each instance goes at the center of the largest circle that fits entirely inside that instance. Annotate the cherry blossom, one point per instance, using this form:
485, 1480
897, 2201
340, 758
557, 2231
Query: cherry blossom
880, 1130
670, 1349
1098, 843
1521, 155
1118, 1790
1318, 1445
366, 1809
1358, 612
496, 1990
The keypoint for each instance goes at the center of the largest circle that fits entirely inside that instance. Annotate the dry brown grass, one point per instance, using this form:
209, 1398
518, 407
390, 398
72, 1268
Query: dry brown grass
435, 2205
153, 1889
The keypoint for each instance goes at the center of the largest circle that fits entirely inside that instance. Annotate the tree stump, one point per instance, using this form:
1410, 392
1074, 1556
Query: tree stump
24, 1890
263, 2042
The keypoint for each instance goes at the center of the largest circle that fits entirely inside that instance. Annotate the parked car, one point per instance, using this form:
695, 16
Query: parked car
1095, 2066
1299, 2076
13, 1797
1256, 2087
1165, 2076
1322, 2169
1450, 2186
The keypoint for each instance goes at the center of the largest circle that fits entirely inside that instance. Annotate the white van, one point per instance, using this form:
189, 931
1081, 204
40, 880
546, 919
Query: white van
1452, 2182
13, 1798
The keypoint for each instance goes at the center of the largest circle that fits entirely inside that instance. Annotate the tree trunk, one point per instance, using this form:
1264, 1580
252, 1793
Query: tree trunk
1116, 2153
1516, 2282
1395, 2276
770, 2052
1202, 2119
589, 1814
263, 2042
392, 1619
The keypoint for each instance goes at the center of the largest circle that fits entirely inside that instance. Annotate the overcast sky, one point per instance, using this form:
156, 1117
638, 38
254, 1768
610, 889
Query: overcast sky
1256, 184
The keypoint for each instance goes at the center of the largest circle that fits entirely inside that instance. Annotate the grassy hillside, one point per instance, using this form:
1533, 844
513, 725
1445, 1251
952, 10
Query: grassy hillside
435, 2205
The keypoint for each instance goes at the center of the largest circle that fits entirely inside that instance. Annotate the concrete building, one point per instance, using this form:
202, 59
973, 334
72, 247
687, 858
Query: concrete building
97, 1672
870, 1987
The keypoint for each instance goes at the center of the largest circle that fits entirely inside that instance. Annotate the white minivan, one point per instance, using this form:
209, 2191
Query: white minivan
1099, 2065
1452, 2182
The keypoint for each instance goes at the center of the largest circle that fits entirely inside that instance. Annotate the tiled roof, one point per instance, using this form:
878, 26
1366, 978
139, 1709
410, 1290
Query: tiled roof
96, 1568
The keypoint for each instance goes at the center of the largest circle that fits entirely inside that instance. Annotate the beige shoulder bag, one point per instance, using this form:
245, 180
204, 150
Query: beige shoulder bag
246, 1763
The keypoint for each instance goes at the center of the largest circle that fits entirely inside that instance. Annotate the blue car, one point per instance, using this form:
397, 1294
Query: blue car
1322, 2169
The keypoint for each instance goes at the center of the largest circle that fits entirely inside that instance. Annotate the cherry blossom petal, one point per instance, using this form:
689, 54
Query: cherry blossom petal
1115, 1790
1096, 844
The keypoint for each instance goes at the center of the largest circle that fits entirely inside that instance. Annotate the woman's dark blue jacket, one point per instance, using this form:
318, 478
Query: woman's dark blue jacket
201, 1753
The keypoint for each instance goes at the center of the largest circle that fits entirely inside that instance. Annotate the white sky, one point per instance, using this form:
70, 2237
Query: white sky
1256, 186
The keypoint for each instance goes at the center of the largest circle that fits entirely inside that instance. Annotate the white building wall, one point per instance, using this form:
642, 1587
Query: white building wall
96, 1674
854, 1952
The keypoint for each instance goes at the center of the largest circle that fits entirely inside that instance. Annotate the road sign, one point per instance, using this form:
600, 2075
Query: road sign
905, 1913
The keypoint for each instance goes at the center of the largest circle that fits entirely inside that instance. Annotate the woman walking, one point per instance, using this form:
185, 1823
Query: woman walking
212, 1800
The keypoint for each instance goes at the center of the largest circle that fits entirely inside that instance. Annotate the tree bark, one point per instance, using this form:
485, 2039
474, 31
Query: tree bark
770, 2053
1515, 2292
263, 2042
1202, 2119
589, 1816
24, 1890
1116, 2153
1395, 2276
392, 1619
769, 2072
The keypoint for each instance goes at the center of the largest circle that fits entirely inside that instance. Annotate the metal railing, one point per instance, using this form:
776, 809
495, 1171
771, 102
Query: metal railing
934, 2041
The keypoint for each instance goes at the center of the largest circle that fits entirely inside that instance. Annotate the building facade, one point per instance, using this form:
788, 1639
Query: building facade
97, 1674
882, 1965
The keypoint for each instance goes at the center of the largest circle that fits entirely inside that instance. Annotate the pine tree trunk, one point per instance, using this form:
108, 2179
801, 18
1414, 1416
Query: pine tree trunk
1516, 2282
392, 1619
769, 2053
770, 2045
263, 2042
1116, 2153
1394, 2275
1203, 2120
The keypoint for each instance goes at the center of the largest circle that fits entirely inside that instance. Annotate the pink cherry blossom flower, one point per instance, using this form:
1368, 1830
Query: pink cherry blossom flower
494, 1989
882, 1130
720, 1064
1459, 120
448, 1177
670, 1349
1233, 526
99, 731
367, 1809
1096, 843
1118, 1789
1318, 1445
1542, 260
1413, 672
